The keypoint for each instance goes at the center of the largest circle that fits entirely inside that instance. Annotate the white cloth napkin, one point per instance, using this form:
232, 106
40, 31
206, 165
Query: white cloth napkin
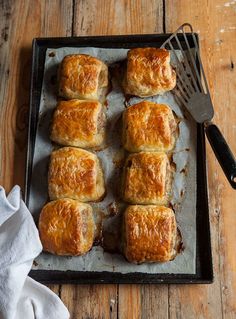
20, 296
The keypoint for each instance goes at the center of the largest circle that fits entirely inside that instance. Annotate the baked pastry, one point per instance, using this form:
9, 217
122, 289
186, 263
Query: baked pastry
150, 234
82, 76
147, 178
66, 227
148, 72
79, 123
75, 173
148, 126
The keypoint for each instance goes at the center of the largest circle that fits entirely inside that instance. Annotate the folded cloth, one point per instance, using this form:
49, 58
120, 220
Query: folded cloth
21, 297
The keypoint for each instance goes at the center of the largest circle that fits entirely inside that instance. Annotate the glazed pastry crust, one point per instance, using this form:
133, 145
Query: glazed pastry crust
148, 72
82, 76
66, 227
78, 123
149, 126
75, 173
150, 234
147, 178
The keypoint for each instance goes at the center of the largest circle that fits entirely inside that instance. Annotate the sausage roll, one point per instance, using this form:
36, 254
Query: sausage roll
79, 123
149, 126
76, 174
150, 234
147, 178
66, 227
82, 76
148, 72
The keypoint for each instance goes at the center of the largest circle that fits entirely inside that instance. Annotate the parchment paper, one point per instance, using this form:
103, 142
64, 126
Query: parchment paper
184, 183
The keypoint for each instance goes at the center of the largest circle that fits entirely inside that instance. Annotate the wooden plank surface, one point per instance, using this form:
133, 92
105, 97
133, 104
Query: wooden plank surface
89, 20
20, 21
101, 17
90, 301
216, 23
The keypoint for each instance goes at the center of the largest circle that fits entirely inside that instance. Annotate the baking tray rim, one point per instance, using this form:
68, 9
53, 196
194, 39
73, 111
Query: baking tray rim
203, 256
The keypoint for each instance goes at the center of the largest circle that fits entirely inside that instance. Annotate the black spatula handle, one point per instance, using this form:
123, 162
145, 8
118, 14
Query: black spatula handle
223, 153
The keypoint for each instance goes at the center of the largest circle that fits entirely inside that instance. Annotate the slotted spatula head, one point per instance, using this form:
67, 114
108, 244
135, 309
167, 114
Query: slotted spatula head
191, 88
193, 93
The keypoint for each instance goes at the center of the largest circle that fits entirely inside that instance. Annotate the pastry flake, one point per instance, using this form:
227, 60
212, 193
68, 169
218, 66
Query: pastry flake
66, 227
82, 76
147, 178
150, 234
79, 123
75, 173
148, 72
149, 126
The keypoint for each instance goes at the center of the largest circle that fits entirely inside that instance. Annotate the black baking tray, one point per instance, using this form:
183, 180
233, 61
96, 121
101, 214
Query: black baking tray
204, 268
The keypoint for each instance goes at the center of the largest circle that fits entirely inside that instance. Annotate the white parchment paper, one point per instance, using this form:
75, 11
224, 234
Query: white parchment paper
184, 183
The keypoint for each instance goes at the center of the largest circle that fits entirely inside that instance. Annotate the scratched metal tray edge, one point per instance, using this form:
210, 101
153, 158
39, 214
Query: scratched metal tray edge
204, 267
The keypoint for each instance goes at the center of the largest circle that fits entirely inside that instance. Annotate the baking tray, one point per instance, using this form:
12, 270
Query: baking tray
204, 268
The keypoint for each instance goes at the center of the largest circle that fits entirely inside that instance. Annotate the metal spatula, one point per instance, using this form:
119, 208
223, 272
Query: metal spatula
192, 92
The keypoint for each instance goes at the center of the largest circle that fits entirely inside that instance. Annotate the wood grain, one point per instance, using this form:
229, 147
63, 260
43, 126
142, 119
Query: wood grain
129, 301
216, 23
102, 17
5, 134
134, 301
33, 21
154, 302
90, 301
20, 22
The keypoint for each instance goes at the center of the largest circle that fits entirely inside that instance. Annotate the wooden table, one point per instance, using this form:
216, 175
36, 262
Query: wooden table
215, 20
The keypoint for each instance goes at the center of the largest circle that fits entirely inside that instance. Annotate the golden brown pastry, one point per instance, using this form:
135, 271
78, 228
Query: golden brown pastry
150, 234
75, 173
82, 76
79, 123
147, 178
148, 126
66, 227
148, 72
